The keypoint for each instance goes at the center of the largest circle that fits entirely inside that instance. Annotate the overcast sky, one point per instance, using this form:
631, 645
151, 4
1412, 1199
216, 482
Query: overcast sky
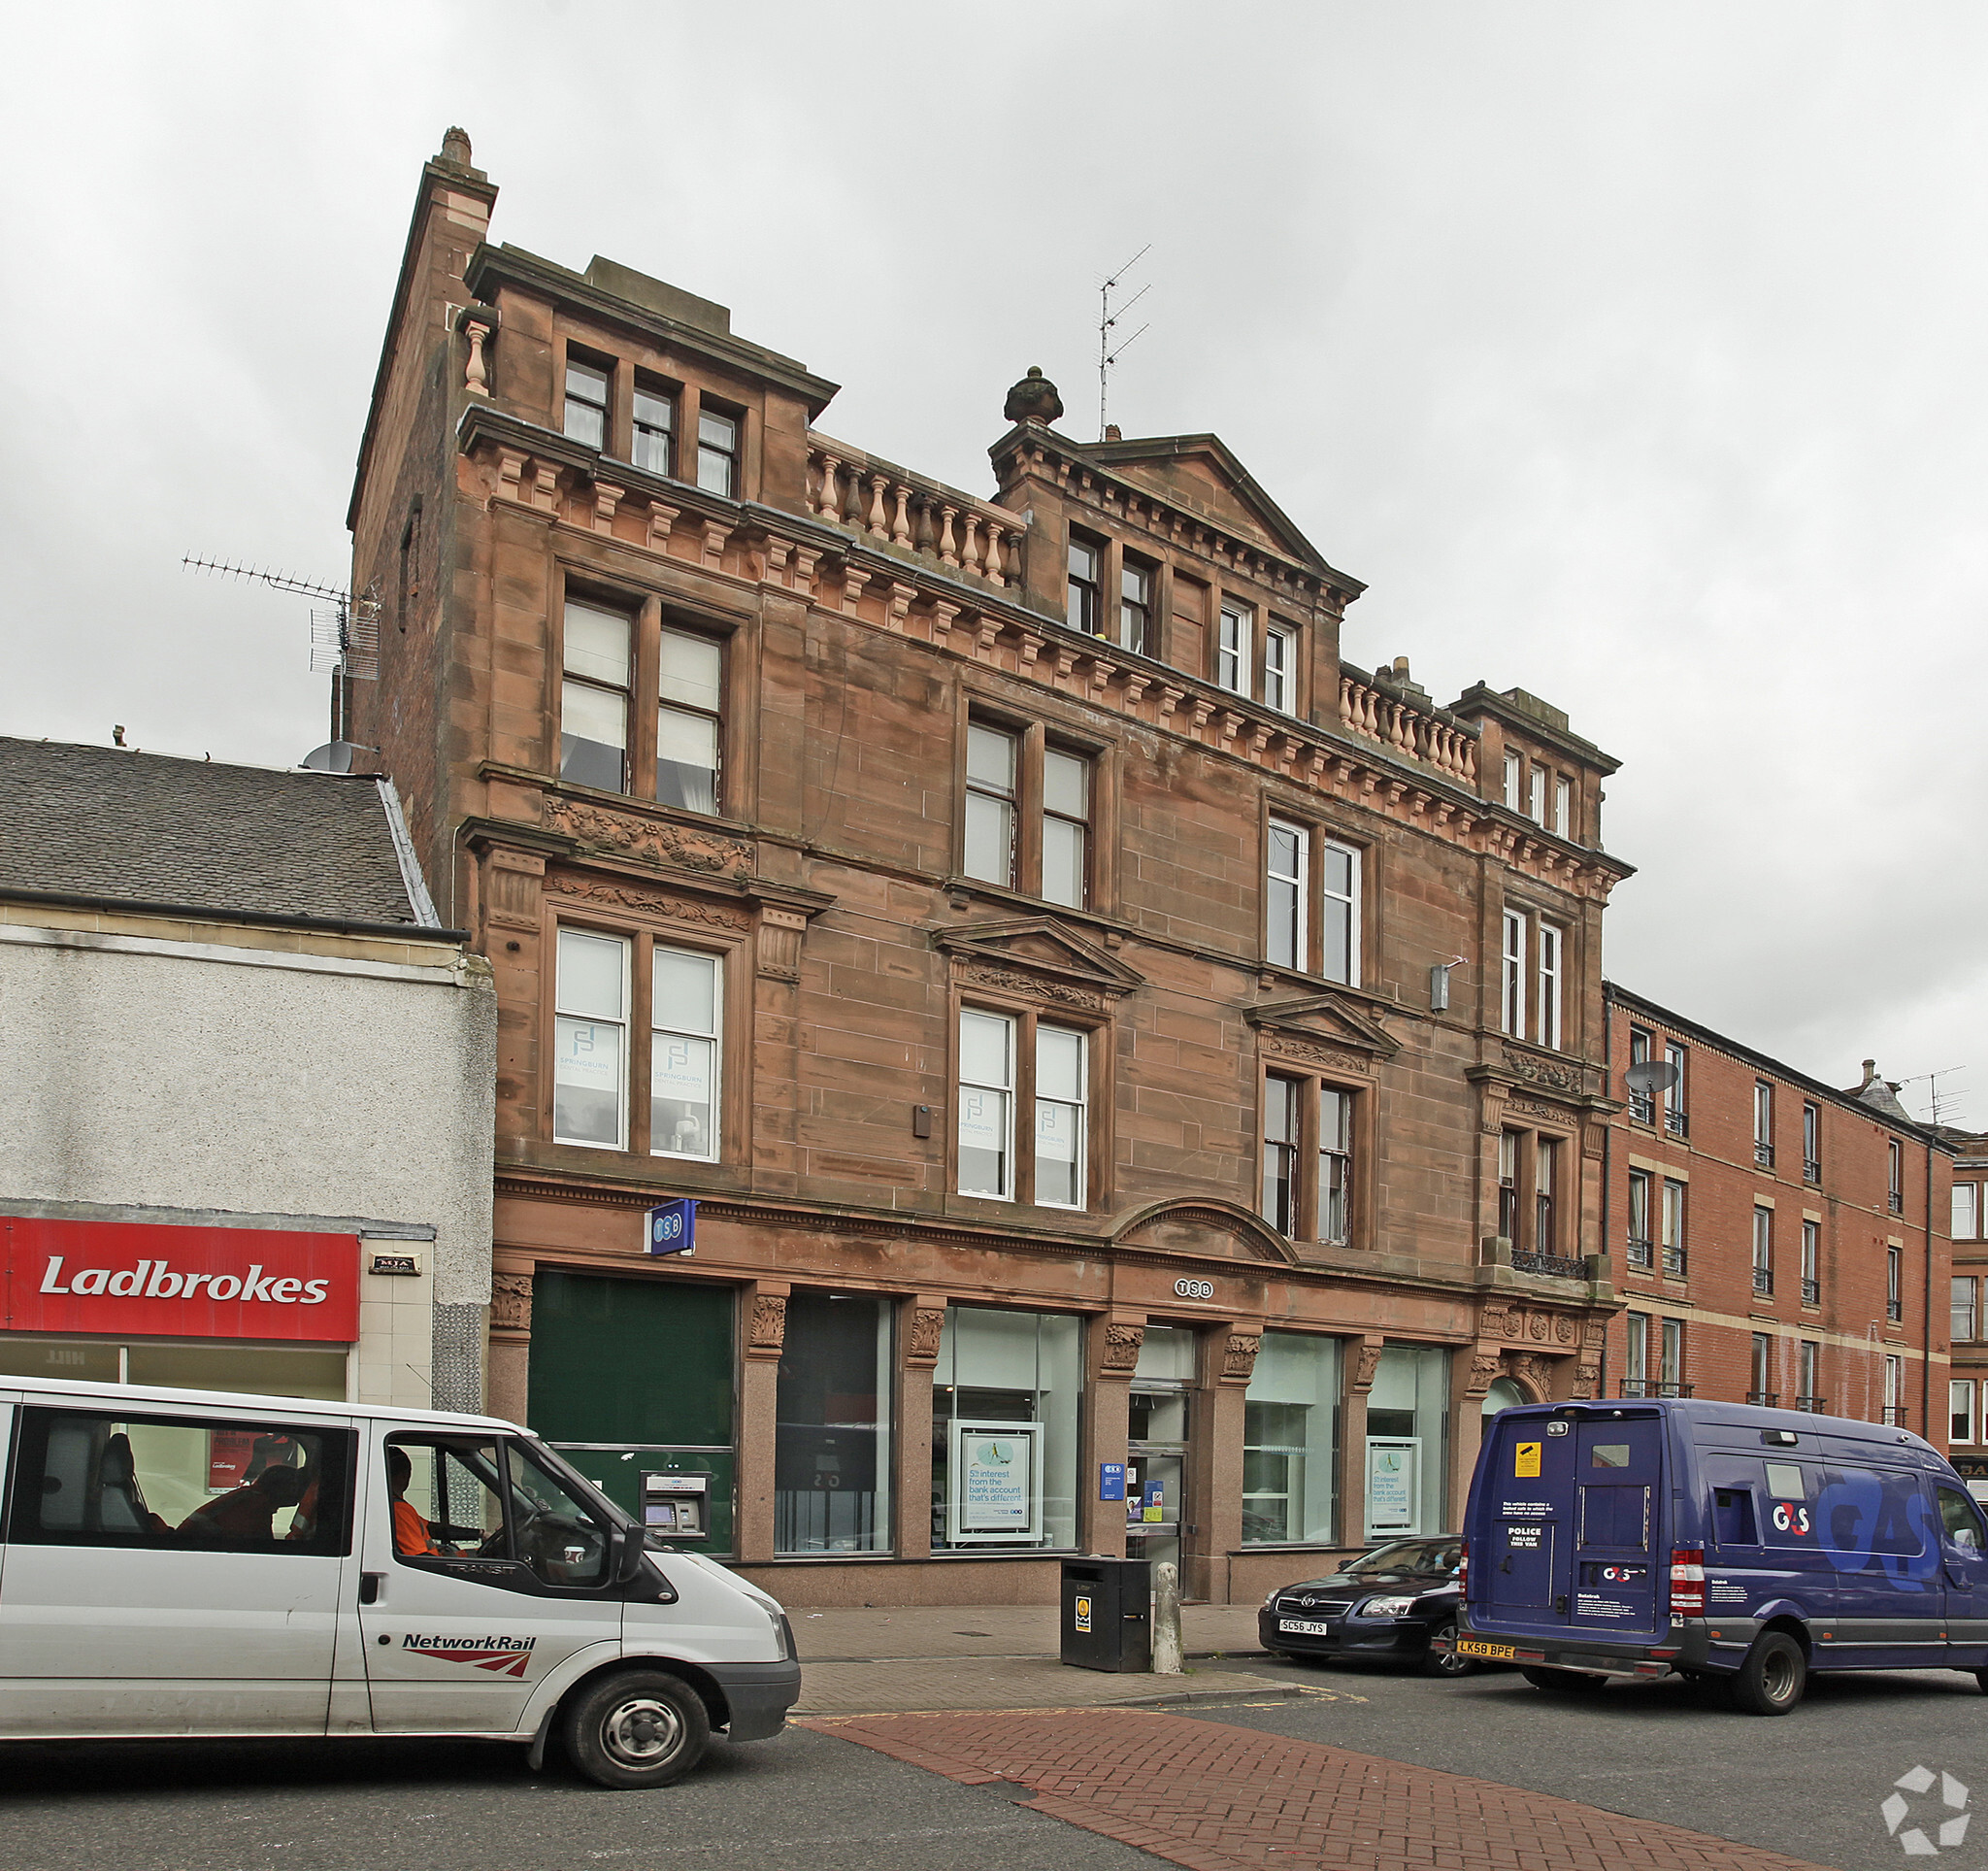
1634, 355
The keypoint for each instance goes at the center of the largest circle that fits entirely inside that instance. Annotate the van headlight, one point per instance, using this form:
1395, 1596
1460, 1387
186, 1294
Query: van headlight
1386, 1606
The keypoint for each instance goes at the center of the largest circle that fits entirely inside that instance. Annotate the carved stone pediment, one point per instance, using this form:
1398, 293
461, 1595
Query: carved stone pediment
1322, 1029
1037, 955
1215, 1230
647, 840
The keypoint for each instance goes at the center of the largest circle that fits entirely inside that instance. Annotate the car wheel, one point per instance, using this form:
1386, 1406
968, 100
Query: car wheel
1445, 1662
1545, 1679
1774, 1676
639, 1729
1981, 1677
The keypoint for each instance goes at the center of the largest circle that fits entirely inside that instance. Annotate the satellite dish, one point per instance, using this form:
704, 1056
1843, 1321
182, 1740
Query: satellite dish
1651, 1076
334, 756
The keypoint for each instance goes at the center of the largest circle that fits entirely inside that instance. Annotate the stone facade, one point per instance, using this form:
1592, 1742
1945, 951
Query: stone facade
1804, 1262
864, 622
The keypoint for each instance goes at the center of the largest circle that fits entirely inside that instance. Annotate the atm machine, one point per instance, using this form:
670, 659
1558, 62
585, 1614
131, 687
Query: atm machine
676, 1506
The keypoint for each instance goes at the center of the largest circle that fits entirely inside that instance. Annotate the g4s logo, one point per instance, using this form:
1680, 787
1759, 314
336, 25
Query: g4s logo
1790, 1516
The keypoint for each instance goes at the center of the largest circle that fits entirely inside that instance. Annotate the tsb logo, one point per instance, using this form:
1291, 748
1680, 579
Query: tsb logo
1194, 1290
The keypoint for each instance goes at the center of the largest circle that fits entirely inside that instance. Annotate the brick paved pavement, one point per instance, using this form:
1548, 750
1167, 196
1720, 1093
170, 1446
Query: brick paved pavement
847, 1635
1214, 1798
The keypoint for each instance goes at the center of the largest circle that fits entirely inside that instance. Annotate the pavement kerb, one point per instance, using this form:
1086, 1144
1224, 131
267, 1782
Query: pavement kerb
1182, 1699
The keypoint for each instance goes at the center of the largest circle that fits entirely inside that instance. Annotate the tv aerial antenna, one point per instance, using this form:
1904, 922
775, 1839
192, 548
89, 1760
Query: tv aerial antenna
1108, 350
345, 640
1943, 1105
345, 645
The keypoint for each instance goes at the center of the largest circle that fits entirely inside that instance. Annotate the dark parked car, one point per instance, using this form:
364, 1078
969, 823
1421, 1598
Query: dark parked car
1386, 1603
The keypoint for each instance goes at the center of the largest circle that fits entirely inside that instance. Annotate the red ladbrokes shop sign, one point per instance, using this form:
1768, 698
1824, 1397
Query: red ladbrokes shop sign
153, 1281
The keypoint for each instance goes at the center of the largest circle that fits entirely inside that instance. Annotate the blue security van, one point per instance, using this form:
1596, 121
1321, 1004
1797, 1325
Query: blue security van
1639, 1538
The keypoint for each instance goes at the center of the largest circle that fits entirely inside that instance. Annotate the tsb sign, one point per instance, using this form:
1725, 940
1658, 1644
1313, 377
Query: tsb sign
1194, 1290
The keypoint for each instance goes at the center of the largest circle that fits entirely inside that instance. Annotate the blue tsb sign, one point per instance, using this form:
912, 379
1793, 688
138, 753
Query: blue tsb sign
673, 1228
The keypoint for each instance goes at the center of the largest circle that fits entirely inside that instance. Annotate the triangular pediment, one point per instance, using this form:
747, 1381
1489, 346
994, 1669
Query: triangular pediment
1328, 1018
1042, 944
1202, 475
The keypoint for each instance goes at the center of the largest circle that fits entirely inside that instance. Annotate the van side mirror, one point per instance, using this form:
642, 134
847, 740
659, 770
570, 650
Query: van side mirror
628, 1551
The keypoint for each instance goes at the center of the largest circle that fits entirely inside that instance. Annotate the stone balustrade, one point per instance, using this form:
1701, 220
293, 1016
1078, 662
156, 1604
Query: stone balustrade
1397, 724
852, 490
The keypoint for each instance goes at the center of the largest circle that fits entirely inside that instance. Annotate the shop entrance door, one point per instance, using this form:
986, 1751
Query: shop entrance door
1156, 1470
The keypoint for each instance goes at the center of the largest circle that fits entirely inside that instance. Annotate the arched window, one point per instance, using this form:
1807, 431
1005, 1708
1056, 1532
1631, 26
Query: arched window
1503, 1394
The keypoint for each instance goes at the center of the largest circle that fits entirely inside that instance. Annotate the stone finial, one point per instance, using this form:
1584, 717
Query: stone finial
1033, 400
455, 146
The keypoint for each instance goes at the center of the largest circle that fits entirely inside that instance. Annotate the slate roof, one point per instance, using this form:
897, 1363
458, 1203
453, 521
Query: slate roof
157, 832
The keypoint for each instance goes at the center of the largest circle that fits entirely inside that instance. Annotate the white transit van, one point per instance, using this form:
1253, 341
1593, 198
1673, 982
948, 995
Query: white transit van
192, 1562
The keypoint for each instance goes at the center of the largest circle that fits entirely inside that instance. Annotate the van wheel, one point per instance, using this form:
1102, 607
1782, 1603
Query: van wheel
639, 1729
1774, 1676
1981, 1677
1545, 1679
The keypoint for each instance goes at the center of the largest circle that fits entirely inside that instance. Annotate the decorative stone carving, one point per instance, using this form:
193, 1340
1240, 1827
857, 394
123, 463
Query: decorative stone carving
513, 881
1533, 1372
1594, 1142
921, 1342
1585, 1379
1514, 1324
779, 942
651, 902
1033, 400
1238, 1356
1483, 1373
1012, 982
769, 1330
1285, 1046
1121, 1347
1564, 1327
511, 1302
656, 841
1558, 1074
1551, 1114
475, 375
1537, 1326
1370, 1363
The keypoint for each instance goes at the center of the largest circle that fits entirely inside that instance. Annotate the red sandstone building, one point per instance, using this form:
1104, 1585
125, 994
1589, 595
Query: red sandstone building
1776, 1240
1098, 1027
1966, 1389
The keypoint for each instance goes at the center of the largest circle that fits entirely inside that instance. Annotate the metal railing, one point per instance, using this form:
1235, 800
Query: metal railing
1561, 1266
1763, 1154
1814, 1405
1643, 1109
1675, 1263
1895, 1201
1895, 1310
1892, 1416
1764, 1281
1771, 1398
1678, 1124
1640, 1254
1811, 1169
1811, 1293
1649, 1386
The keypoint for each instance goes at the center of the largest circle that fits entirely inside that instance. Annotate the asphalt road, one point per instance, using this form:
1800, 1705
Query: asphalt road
801, 1802
1809, 1784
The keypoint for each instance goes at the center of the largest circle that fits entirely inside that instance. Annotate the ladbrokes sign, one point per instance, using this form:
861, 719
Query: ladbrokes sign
153, 1281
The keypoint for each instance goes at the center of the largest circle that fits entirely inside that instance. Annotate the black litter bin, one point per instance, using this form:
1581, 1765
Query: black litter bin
1107, 1621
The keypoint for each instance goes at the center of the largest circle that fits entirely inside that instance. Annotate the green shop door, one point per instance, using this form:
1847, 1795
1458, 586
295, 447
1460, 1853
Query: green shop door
635, 1375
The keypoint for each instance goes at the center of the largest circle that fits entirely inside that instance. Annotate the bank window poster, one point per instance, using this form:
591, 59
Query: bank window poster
1394, 1483
995, 1490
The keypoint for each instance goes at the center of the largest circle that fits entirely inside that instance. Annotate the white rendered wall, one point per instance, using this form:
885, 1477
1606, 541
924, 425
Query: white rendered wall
254, 1081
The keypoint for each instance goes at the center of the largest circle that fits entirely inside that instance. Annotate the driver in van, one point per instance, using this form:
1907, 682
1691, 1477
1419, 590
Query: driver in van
410, 1534
248, 1512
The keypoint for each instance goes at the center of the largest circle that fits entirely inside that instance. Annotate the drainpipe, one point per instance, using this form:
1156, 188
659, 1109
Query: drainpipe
1926, 1370
1608, 1158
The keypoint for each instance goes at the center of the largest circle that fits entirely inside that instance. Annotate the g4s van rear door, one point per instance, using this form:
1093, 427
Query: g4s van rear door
1618, 1485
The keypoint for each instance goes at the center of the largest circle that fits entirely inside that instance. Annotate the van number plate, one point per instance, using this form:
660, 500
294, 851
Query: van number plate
1304, 1628
1483, 1647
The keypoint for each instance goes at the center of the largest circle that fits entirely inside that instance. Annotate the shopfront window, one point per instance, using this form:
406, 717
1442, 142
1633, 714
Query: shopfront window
258, 1370
1290, 1440
1005, 1398
832, 1442
1407, 1441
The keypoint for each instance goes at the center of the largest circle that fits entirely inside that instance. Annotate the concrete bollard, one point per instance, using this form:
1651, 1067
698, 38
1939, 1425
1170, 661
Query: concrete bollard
1166, 1618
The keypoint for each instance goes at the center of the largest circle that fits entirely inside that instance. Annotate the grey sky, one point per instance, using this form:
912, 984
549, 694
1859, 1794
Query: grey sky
1631, 355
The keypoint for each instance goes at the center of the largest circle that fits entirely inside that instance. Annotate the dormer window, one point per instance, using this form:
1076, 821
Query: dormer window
717, 452
587, 401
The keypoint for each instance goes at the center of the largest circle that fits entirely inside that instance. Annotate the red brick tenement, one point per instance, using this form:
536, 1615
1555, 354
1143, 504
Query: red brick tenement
1091, 1019
1966, 1390
1775, 1240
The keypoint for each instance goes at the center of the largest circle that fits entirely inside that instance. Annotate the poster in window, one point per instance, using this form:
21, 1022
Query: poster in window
1394, 1473
681, 1069
994, 1491
983, 1119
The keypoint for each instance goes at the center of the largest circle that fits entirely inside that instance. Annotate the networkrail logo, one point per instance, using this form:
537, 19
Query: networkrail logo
500, 1655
